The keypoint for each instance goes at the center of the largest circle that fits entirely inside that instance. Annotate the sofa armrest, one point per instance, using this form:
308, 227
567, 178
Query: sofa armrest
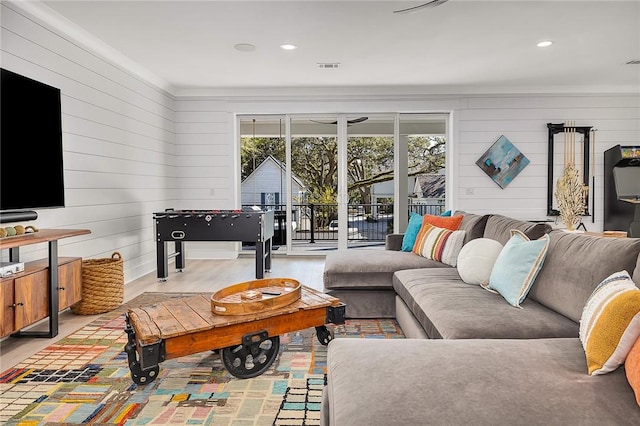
393, 242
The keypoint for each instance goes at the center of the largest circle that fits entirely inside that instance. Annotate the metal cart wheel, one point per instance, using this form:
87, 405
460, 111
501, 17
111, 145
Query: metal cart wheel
324, 334
250, 360
142, 377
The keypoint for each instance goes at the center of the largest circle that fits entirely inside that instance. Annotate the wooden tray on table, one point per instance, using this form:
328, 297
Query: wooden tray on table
255, 296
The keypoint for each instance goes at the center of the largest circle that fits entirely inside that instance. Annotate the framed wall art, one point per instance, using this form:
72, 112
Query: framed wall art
502, 162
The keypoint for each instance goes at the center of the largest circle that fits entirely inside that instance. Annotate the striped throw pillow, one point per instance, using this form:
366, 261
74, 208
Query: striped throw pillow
439, 244
610, 323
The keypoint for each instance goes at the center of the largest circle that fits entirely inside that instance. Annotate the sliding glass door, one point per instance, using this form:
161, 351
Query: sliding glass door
343, 180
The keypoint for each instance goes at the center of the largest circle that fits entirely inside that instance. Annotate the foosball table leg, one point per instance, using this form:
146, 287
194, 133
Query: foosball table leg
142, 374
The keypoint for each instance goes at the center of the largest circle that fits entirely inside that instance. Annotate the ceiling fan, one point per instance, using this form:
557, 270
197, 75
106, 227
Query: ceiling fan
432, 3
349, 122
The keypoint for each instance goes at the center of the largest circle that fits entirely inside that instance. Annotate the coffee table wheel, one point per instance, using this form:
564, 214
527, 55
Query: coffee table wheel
324, 334
143, 377
250, 360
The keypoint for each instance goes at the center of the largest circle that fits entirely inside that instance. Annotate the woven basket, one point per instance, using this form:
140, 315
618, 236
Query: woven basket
102, 285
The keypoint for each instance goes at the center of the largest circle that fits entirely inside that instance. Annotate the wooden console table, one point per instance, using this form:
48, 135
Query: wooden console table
50, 236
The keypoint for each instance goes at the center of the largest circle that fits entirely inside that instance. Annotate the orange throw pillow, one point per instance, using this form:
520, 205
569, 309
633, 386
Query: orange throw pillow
451, 222
632, 369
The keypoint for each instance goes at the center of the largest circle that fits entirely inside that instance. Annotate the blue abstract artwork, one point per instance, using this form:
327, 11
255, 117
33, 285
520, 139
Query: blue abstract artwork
502, 162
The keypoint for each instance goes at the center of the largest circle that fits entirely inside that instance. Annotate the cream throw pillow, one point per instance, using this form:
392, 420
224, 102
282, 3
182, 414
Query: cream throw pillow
476, 260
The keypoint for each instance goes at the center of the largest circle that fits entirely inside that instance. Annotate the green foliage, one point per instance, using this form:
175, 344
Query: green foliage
253, 151
369, 161
327, 198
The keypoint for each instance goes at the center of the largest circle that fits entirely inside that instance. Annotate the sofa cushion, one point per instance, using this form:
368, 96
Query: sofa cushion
439, 244
448, 308
517, 266
498, 228
610, 323
378, 303
369, 269
471, 382
409, 237
476, 260
473, 225
576, 263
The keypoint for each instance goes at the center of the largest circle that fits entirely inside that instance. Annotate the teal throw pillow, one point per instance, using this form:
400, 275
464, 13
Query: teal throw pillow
409, 238
446, 214
517, 266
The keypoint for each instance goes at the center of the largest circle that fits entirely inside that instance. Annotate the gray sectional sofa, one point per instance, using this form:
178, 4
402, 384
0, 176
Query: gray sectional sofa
470, 357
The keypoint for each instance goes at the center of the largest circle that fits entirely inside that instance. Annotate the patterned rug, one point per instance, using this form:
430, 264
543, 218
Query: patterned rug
84, 378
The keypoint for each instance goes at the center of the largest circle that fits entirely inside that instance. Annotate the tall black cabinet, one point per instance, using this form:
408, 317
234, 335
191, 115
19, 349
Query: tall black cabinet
618, 214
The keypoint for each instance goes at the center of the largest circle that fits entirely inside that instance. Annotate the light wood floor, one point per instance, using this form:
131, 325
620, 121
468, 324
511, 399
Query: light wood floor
198, 276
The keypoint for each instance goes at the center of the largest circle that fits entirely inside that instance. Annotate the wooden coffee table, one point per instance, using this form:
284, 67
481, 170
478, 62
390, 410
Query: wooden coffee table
248, 343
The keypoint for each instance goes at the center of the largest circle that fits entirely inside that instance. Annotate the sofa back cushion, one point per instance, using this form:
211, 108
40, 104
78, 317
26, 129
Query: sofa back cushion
499, 228
575, 264
473, 225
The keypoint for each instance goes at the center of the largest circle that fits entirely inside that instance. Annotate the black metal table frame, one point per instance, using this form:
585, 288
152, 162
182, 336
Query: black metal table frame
263, 258
215, 225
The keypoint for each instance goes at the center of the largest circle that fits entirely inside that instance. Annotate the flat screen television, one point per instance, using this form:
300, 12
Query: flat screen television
31, 168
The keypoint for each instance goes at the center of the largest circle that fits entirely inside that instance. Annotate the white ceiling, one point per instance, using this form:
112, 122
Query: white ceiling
460, 46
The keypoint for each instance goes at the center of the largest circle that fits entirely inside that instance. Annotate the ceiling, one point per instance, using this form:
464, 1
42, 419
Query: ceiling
459, 46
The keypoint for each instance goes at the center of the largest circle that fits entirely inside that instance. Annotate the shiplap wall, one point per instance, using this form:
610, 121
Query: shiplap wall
132, 149
477, 122
118, 140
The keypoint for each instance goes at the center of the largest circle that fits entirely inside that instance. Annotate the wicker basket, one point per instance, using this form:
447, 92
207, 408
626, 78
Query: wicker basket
102, 285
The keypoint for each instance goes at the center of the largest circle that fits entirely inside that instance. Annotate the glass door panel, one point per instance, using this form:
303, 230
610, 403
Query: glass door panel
425, 136
370, 179
314, 180
263, 171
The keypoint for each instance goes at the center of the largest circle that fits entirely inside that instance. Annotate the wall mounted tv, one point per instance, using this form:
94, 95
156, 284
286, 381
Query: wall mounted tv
31, 169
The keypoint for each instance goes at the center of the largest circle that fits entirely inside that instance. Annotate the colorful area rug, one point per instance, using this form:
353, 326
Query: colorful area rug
84, 378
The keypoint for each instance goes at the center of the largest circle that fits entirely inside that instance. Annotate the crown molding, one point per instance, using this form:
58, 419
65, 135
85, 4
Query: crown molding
45, 15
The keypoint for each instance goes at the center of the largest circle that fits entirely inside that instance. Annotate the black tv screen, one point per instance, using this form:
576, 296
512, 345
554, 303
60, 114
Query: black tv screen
31, 168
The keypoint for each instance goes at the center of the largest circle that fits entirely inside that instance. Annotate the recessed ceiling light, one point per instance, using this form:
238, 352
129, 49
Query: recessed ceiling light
245, 47
288, 46
545, 43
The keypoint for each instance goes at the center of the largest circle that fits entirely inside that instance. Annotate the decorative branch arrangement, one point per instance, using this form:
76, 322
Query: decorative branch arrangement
570, 191
570, 194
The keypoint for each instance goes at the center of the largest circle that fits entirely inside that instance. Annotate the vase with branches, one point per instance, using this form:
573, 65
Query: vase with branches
571, 194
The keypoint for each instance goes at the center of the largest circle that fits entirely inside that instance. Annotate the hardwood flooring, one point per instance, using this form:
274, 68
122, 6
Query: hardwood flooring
198, 276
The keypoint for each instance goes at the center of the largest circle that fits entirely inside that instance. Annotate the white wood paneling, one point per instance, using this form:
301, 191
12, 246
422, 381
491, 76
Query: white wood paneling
522, 119
118, 139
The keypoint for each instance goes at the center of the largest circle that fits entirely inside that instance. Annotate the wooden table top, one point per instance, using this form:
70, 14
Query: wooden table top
42, 236
180, 316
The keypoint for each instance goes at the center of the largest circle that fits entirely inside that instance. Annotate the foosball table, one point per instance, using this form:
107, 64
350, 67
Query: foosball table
242, 322
179, 226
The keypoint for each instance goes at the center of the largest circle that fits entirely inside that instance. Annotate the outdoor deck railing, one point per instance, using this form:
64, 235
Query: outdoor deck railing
318, 222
